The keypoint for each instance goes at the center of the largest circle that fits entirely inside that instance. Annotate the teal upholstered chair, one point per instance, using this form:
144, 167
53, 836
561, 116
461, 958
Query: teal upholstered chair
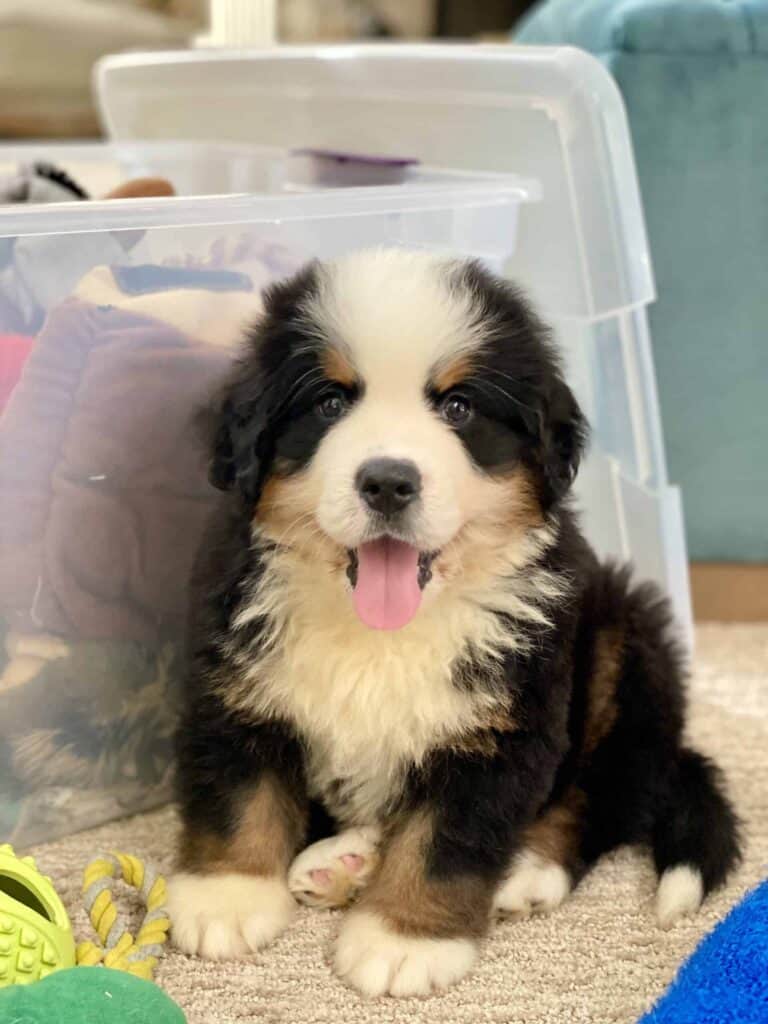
694, 76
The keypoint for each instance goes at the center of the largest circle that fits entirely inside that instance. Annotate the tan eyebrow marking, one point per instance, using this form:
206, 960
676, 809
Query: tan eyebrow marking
451, 373
337, 366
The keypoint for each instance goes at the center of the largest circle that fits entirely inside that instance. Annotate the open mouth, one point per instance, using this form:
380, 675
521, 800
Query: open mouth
388, 577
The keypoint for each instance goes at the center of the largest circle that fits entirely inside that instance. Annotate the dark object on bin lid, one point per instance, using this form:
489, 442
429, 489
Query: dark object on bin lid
339, 156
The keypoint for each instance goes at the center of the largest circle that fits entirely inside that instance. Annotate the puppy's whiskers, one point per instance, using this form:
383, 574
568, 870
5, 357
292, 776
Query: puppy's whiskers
304, 520
482, 385
308, 380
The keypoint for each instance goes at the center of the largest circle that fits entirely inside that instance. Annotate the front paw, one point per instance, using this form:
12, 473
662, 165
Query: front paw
226, 915
331, 872
376, 960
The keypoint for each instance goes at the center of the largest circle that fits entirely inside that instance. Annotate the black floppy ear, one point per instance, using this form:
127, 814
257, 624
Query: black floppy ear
239, 443
564, 433
241, 424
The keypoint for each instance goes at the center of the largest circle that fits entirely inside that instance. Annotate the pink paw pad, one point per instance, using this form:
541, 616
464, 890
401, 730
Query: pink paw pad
353, 862
321, 877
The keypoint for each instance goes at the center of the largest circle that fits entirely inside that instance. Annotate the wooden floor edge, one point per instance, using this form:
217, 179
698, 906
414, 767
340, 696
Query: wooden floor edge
729, 592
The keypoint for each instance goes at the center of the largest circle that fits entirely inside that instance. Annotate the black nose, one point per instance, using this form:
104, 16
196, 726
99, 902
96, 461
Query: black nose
388, 485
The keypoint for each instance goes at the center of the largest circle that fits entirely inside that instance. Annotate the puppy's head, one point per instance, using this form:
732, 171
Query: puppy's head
402, 417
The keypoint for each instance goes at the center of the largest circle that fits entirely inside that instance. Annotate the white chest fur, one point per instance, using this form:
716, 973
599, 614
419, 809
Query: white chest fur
370, 704
367, 719
366, 710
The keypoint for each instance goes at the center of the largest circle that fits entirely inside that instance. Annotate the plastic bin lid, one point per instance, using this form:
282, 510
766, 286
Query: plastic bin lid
550, 114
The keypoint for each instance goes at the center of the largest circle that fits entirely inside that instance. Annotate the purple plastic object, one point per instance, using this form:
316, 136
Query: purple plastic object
335, 168
340, 157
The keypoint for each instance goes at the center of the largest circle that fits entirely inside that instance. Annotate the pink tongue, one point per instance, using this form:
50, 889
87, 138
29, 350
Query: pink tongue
387, 594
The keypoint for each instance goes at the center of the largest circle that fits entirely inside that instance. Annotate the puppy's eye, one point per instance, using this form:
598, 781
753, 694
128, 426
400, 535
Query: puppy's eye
456, 409
332, 405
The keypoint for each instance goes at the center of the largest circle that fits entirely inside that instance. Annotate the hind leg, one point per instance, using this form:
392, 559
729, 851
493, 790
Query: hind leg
549, 862
535, 885
694, 837
630, 780
672, 800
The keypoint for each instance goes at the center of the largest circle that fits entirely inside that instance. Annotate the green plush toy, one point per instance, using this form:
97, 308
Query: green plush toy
88, 995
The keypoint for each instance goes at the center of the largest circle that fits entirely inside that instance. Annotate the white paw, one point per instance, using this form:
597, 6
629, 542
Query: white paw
378, 961
680, 892
535, 885
331, 873
224, 916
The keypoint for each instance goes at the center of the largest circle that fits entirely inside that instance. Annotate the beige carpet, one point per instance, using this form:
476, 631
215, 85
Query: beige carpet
599, 959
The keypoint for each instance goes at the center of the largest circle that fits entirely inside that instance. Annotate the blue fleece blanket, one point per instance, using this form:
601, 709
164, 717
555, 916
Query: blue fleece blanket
726, 979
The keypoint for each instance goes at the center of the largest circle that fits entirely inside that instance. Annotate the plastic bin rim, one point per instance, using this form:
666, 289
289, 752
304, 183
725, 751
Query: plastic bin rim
199, 211
342, 51
92, 149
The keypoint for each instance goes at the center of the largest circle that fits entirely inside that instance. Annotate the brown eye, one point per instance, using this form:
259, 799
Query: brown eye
456, 409
332, 406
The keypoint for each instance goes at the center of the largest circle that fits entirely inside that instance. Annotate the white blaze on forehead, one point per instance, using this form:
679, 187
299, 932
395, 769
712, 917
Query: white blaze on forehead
397, 314
398, 317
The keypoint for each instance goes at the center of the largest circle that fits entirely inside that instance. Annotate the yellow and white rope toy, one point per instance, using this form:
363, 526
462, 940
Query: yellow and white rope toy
117, 948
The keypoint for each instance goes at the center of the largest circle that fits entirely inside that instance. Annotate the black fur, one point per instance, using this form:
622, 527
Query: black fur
268, 411
524, 410
638, 783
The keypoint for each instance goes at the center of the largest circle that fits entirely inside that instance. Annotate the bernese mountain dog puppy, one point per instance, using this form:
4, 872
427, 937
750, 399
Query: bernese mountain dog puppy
412, 685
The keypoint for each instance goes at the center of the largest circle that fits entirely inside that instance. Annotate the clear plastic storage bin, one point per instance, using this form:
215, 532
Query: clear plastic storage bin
194, 168
204, 168
116, 320
553, 115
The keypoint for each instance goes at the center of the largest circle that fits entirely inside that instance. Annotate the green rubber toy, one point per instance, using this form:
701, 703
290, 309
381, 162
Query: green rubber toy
89, 995
35, 933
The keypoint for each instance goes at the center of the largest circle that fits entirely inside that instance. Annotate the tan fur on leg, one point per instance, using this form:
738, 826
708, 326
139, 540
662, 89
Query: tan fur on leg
415, 904
412, 934
232, 896
269, 831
